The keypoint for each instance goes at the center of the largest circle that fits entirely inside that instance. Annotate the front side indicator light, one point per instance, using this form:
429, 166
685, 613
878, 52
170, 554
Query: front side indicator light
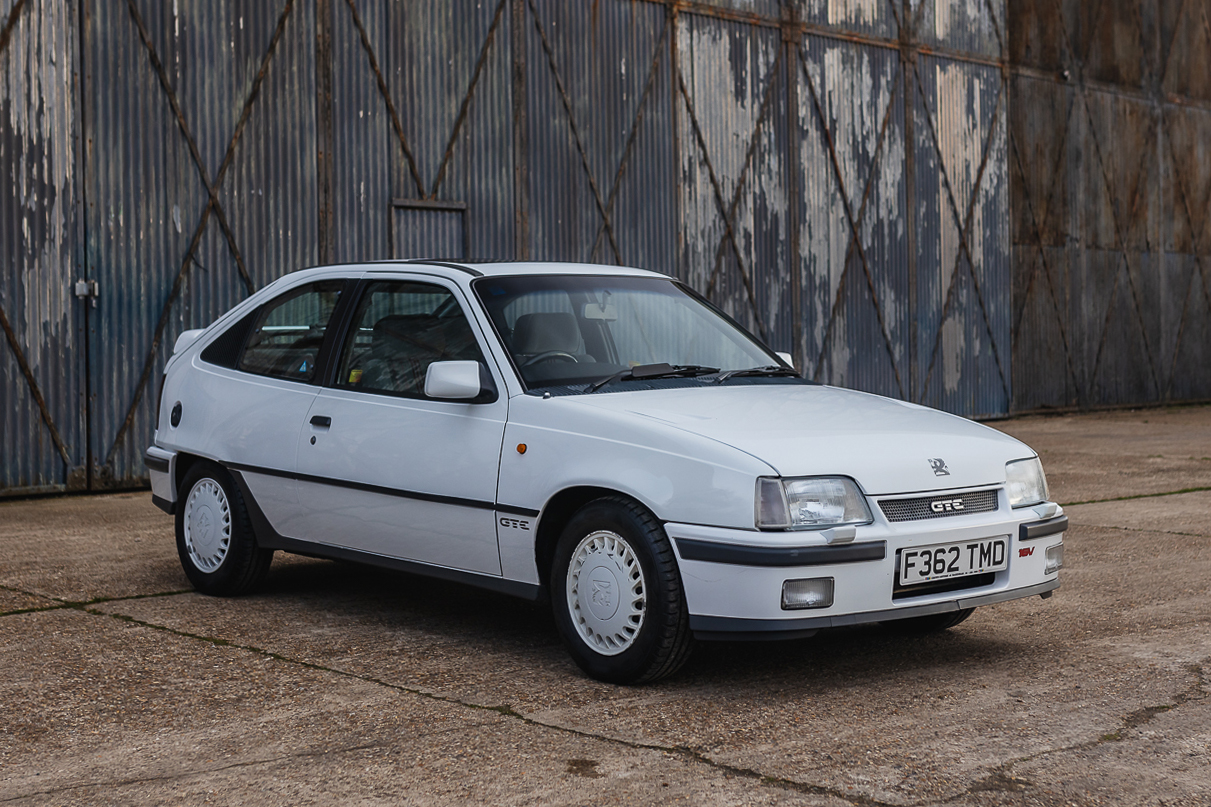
1025, 482
809, 503
1055, 559
812, 592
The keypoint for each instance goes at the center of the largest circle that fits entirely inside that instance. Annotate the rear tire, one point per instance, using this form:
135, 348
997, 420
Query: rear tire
933, 623
617, 595
215, 541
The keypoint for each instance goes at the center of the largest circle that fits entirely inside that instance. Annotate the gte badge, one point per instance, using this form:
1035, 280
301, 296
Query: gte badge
514, 523
939, 466
946, 505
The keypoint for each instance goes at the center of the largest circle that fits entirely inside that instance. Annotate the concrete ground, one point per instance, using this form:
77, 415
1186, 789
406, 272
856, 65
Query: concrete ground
342, 684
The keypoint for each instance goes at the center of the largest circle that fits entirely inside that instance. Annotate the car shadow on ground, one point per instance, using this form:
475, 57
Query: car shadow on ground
367, 596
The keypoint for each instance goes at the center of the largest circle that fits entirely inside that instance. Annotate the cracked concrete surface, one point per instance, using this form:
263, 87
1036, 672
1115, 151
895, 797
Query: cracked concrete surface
342, 684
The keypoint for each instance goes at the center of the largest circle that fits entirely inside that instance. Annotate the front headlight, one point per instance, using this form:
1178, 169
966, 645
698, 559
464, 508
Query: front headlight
1025, 482
809, 503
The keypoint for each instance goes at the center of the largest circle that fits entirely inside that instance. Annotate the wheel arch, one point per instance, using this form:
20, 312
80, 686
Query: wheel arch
558, 511
184, 462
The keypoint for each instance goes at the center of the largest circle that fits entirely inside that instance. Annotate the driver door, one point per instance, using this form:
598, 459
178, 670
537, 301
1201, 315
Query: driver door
387, 470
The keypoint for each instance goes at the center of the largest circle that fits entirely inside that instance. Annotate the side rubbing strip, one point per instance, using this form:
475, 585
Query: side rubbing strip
516, 511
403, 494
780, 556
1041, 529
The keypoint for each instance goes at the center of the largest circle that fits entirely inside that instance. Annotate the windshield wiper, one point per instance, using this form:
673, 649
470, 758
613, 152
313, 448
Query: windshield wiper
662, 370
770, 370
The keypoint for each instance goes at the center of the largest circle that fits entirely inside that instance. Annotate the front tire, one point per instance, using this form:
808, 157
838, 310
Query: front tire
215, 541
617, 595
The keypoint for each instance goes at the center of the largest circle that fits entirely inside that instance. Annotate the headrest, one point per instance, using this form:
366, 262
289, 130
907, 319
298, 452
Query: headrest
539, 333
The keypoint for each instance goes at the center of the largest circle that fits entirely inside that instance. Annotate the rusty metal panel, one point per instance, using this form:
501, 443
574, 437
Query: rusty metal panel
185, 100
1186, 245
362, 138
449, 74
1110, 203
1037, 39
963, 237
856, 290
1118, 216
1116, 42
876, 18
1045, 334
428, 231
745, 10
1185, 62
732, 195
967, 26
602, 169
41, 394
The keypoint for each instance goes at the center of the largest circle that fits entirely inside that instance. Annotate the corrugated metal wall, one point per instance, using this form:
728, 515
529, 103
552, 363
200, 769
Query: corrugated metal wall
865, 183
42, 406
1110, 164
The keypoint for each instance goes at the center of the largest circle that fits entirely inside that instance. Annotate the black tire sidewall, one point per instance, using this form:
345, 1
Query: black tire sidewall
227, 578
636, 661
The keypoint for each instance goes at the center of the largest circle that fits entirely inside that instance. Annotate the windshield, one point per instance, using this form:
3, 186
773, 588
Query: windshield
570, 330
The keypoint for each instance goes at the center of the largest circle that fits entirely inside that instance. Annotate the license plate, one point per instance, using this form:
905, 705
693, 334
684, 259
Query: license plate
926, 564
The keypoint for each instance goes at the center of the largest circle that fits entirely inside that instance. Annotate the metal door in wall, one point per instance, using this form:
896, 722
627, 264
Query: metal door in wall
42, 401
423, 120
200, 179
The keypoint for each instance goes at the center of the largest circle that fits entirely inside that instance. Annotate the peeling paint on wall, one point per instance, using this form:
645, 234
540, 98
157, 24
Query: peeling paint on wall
39, 208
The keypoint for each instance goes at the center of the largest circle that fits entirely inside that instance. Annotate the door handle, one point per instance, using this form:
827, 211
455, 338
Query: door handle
323, 421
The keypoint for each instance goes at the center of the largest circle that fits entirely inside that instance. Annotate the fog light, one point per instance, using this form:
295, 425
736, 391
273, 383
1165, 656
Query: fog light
1055, 559
814, 592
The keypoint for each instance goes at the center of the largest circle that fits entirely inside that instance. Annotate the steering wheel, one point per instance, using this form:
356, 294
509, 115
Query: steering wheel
550, 354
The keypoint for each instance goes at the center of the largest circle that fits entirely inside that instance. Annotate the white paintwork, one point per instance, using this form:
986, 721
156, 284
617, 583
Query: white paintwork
452, 379
186, 339
827, 431
162, 485
439, 448
716, 589
691, 455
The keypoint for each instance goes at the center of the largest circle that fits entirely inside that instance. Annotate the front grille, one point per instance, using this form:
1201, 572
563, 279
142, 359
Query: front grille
954, 504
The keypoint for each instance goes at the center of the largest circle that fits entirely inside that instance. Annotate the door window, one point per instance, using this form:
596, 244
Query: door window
399, 329
285, 341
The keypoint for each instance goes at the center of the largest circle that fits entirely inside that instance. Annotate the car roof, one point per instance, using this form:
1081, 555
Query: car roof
500, 268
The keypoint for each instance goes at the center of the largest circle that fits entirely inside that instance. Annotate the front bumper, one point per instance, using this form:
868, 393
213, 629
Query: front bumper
733, 578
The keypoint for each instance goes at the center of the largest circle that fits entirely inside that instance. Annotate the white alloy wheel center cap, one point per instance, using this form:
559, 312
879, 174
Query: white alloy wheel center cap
605, 592
602, 593
203, 529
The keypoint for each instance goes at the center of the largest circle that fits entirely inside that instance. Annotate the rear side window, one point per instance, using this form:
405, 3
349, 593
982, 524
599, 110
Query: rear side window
400, 328
285, 340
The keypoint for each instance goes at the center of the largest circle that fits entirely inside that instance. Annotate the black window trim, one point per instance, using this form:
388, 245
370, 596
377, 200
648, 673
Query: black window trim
323, 357
331, 361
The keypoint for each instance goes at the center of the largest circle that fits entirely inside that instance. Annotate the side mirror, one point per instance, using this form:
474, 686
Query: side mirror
453, 380
788, 358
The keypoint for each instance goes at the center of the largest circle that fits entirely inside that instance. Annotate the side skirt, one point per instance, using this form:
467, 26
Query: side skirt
269, 538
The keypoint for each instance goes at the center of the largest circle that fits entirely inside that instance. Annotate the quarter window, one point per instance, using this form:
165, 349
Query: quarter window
285, 341
400, 328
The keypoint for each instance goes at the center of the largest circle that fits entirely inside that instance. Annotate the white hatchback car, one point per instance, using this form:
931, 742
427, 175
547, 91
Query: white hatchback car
600, 436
